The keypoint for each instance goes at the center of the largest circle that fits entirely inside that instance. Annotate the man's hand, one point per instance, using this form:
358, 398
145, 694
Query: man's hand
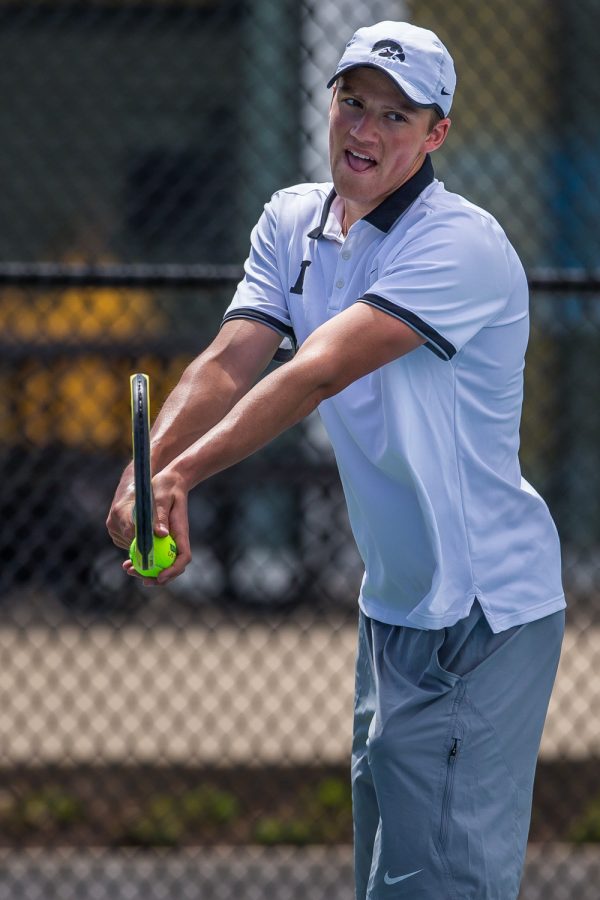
170, 517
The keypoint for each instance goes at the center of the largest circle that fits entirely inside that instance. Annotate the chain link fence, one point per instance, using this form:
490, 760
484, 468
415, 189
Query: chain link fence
194, 742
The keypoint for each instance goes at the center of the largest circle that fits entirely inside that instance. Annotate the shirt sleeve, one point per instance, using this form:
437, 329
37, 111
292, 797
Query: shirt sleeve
260, 295
446, 282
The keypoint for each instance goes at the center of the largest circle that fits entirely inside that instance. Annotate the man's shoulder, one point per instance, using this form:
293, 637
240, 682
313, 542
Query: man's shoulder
306, 194
308, 188
446, 228
451, 213
298, 208
437, 198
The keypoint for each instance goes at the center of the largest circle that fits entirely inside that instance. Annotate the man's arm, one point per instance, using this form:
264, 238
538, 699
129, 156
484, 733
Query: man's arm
210, 386
349, 346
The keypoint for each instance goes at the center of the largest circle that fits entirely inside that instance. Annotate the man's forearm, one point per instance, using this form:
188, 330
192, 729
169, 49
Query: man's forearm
204, 394
276, 403
210, 386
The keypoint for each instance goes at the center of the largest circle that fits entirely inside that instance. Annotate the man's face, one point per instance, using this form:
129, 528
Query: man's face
377, 139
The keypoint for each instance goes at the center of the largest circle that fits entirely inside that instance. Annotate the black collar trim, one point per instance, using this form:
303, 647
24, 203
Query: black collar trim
318, 231
389, 211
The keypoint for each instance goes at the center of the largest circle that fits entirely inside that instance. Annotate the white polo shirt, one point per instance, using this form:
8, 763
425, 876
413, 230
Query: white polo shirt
427, 445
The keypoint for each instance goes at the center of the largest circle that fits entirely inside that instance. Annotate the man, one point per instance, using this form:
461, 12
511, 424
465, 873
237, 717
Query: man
409, 308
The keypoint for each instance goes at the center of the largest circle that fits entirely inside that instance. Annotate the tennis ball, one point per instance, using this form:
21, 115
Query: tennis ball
165, 551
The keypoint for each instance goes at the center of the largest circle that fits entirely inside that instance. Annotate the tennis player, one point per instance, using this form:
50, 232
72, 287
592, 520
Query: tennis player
408, 307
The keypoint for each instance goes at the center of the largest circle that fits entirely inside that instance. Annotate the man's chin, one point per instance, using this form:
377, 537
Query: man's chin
357, 186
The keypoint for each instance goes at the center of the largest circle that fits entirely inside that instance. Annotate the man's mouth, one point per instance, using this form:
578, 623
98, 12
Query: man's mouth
359, 162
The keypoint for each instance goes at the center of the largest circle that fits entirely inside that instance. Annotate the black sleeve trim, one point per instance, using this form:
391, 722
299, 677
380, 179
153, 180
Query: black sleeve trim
433, 339
283, 354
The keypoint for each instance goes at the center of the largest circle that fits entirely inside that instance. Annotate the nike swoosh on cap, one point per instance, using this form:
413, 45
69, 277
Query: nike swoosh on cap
389, 880
445, 93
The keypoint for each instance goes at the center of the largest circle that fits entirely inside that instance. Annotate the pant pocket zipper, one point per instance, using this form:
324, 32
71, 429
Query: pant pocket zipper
448, 789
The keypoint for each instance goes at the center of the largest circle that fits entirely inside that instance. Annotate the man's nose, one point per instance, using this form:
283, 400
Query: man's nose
364, 128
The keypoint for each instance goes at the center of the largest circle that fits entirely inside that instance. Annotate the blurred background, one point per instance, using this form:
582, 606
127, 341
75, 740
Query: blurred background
194, 742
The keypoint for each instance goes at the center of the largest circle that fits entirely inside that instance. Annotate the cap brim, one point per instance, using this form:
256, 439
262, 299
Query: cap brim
412, 94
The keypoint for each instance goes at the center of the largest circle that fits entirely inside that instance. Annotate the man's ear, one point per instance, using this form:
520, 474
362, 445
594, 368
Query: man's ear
437, 135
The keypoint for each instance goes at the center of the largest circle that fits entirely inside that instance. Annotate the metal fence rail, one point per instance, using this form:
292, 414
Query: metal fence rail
204, 275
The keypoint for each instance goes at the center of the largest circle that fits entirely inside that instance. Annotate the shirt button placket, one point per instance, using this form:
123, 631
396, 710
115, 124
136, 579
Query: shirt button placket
340, 282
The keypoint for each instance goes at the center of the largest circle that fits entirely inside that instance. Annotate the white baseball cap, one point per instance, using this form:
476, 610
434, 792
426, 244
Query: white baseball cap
414, 58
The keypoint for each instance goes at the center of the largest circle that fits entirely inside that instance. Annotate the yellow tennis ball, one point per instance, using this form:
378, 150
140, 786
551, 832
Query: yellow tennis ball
165, 552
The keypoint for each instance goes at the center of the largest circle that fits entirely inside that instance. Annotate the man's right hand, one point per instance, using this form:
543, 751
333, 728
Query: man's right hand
120, 516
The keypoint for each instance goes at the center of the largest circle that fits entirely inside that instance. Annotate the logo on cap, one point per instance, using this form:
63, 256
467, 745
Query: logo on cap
389, 50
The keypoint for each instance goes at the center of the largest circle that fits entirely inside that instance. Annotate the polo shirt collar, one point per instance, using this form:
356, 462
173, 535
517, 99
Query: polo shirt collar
390, 210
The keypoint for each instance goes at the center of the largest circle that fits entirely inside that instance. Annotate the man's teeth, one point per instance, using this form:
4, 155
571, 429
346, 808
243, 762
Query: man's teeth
360, 156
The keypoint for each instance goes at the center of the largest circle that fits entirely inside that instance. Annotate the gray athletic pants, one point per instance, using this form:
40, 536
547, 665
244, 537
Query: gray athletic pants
446, 735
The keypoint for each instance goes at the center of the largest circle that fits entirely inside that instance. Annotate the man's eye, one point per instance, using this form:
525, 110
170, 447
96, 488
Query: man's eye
351, 101
396, 117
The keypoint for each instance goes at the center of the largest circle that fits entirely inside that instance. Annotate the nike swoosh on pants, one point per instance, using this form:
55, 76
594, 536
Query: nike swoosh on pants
389, 880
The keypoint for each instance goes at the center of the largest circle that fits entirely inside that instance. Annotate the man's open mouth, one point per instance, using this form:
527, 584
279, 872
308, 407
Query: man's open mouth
359, 162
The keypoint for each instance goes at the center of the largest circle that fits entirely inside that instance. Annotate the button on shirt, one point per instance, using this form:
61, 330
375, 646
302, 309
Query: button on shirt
427, 445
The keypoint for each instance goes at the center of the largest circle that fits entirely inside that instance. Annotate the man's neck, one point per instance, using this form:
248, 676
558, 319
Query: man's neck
352, 212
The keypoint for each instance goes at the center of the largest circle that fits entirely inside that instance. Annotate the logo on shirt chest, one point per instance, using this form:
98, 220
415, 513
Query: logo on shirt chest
298, 287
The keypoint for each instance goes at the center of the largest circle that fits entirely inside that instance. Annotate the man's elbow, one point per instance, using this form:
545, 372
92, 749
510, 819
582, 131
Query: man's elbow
321, 377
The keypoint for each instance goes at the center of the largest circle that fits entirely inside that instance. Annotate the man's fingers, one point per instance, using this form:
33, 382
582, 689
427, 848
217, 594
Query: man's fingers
161, 523
179, 529
129, 570
119, 524
119, 541
121, 537
171, 517
182, 560
164, 577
